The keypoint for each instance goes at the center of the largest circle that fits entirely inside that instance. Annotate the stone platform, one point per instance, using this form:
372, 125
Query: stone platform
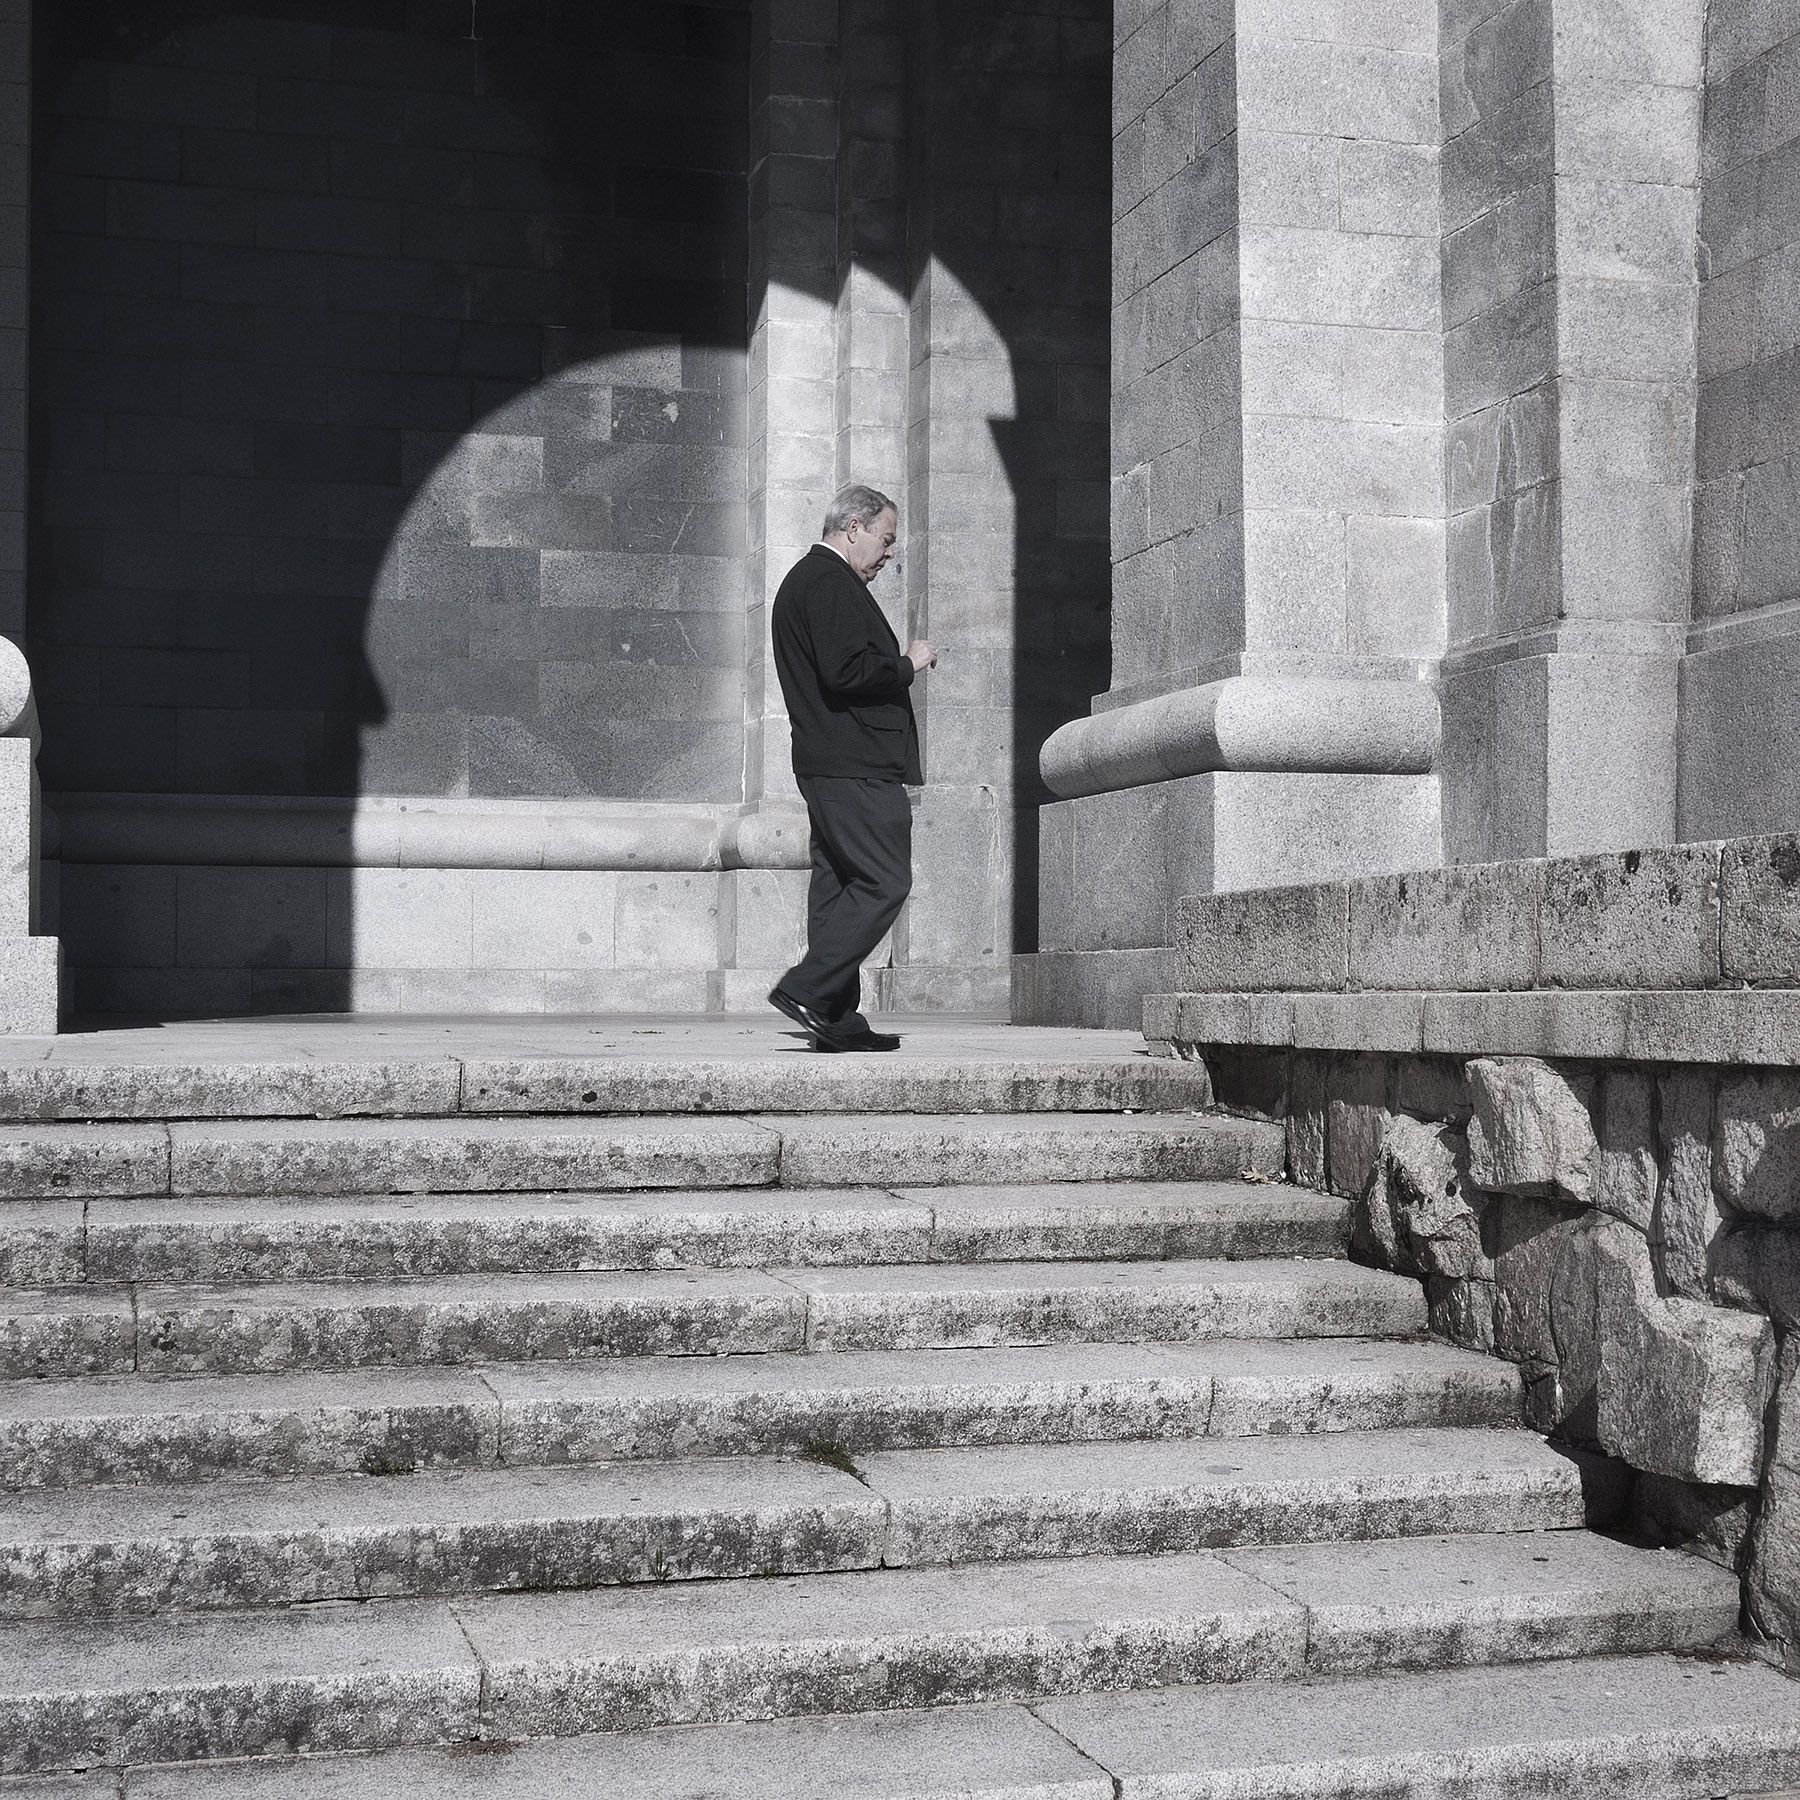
512, 1408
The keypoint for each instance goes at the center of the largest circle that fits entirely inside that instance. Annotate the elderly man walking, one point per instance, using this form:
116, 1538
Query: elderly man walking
856, 747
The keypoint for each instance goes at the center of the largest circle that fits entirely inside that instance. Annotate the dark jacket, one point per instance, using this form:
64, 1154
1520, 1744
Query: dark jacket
843, 675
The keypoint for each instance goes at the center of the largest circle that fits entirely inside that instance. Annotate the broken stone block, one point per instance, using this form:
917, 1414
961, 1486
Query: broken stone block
1756, 1143
1414, 1214
1626, 1173
1682, 1386
1532, 1131
1687, 1221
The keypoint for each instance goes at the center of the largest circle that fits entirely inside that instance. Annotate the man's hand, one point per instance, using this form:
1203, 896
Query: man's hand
922, 654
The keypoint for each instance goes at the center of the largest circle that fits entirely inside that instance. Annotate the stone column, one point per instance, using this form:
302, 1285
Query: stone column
30, 965
1569, 192
1278, 519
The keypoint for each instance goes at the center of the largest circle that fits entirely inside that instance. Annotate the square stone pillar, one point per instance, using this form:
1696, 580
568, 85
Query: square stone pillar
1570, 196
1277, 450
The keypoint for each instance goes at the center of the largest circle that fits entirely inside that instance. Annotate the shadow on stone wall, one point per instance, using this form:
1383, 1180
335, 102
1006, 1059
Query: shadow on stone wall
389, 432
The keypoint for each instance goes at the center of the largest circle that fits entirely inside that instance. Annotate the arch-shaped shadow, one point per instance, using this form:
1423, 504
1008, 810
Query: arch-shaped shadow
389, 427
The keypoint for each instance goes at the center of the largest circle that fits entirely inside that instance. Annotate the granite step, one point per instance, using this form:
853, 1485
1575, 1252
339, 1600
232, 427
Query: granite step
385, 1675
952, 1081
283, 1157
262, 1327
1653, 1727
133, 1550
287, 1238
59, 1434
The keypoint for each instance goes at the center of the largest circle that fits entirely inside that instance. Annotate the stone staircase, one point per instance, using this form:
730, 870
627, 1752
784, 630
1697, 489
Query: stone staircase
770, 1429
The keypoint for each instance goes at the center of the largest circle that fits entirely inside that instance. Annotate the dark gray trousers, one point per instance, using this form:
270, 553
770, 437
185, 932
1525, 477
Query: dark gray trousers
861, 875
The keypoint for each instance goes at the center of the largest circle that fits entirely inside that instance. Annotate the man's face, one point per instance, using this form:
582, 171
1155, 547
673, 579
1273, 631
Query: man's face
869, 546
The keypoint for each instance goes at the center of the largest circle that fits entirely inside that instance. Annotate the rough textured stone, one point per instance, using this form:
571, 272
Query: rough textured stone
949, 1754
1537, 1249
1415, 1215
194, 1688
1626, 1173
1644, 1725
1533, 1130
629, 1658
1687, 1221
1490, 1598
267, 1544
1760, 934
1713, 1522
1682, 1385
1431, 1087
1756, 1144
1774, 1585
1013, 1303
44, 1161
1757, 1268
953, 1506
902, 1083
131, 1429
1308, 1079
1639, 919
1285, 938
463, 1319
414, 1156
1457, 929
1356, 1116
900, 1150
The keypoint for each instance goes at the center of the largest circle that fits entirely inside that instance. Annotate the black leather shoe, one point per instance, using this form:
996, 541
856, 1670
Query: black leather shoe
816, 1025
861, 1040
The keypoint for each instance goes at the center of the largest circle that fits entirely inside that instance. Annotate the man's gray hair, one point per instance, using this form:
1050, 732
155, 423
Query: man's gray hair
863, 504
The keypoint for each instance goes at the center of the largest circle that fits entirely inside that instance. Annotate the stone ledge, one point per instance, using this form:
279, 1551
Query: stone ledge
270, 830
1718, 1025
1702, 915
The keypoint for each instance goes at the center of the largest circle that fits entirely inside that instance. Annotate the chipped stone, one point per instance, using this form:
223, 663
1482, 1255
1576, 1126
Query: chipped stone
1532, 1132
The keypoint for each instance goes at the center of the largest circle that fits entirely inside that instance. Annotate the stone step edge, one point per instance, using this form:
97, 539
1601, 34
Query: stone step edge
52, 1243
1002, 1752
349, 1323
745, 1518
645, 1152
449, 1086
388, 1674
396, 1422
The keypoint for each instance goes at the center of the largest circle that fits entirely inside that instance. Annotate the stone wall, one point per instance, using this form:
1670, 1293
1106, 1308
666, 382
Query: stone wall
390, 382
469, 479
1566, 1094
1743, 653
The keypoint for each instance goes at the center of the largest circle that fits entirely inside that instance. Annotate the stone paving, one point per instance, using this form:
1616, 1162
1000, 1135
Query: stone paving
539, 1408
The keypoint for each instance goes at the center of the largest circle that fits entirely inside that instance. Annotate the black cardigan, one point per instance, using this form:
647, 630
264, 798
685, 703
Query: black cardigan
843, 675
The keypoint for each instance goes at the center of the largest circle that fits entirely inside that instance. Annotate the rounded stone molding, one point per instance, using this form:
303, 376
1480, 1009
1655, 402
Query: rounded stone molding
18, 711
1250, 723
